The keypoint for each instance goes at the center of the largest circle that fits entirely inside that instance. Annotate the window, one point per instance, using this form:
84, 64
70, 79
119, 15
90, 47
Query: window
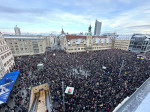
2, 57
12, 49
5, 55
20, 45
36, 50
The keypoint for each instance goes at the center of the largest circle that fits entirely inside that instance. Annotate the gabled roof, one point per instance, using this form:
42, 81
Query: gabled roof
23, 37
99, 36
70, 37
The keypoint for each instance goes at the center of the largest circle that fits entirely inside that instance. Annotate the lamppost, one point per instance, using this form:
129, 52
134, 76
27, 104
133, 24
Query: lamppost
146, 48
121, 67
145, 53
45, 58
63, 94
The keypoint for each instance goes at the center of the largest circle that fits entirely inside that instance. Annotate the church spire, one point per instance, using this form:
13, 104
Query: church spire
89, 31
62, 32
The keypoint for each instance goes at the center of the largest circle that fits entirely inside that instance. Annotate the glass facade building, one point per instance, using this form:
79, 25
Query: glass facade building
139, 43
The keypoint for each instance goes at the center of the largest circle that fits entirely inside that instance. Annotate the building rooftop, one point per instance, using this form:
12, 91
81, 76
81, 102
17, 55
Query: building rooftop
144, 36
124, 37
138, 101
99, 36
23, 36
70, 37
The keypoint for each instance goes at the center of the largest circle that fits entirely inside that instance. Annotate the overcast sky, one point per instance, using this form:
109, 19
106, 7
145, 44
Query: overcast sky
45, 16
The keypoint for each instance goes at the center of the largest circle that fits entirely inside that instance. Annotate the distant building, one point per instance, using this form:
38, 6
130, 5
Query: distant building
97, 30
17, 30
62, 32
139, 43
27, 44
112, 36
85, 43
6, 57
122, 42
52, 40
62, 41
89, 30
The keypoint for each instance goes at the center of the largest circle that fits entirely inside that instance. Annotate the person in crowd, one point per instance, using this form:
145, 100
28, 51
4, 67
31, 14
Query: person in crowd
97, 89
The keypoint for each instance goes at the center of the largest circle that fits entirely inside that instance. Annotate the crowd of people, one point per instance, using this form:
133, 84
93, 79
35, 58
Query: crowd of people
100, 91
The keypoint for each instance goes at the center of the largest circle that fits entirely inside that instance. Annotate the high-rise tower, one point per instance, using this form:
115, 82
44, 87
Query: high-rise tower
17, 30
97, 28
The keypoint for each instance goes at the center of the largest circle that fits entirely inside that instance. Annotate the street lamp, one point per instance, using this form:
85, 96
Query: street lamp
146, 52
121, 67
45, 56
146, 48
63, 94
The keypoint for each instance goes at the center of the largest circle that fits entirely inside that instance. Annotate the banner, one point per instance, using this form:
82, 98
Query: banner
69, 90
6, 85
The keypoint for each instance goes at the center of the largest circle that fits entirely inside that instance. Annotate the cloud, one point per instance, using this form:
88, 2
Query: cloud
139, 26
12, 10
75, 15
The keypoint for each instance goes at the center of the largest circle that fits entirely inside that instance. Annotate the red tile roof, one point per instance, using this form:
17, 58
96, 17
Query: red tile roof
70, 37
99, 36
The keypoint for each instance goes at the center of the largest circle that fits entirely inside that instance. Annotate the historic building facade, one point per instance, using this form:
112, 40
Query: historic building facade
119, 41
140, 43
82, 43
122, 42
6, 57
27, 44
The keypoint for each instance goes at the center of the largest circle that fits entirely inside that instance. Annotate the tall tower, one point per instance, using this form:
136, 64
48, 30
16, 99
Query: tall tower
17, 30
97, 28
62, 32
89, 30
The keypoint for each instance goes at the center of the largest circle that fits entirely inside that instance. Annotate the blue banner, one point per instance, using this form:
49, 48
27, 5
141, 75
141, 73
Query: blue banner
6, 85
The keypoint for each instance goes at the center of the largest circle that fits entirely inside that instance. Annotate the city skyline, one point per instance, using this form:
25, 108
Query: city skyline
46, 16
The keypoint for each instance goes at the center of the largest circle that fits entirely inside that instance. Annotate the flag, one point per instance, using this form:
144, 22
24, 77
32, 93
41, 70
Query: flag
69, 90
